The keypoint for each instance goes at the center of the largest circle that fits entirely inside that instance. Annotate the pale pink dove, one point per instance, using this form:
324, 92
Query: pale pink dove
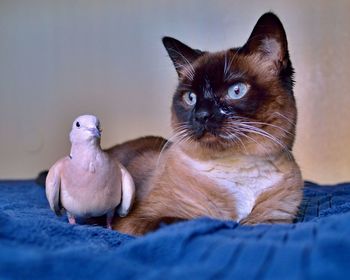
88, 183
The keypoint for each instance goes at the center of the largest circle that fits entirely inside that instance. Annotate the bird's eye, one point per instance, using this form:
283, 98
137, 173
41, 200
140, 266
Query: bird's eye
77, 124
190, 98
237, 90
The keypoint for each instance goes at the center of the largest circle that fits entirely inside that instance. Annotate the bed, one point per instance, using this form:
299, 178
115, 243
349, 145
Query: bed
35, 244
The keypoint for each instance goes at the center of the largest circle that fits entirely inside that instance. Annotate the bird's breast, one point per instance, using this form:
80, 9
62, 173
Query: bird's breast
85, 193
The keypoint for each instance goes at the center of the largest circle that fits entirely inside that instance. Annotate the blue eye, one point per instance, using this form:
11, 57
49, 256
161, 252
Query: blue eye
237, 90
190, 98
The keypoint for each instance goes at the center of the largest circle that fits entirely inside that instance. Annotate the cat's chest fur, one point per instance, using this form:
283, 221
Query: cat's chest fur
243, 177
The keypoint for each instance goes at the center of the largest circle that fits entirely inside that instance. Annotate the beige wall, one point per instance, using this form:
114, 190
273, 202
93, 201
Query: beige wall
59, 59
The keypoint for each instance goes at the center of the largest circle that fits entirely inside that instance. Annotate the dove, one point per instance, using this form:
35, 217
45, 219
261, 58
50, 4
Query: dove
88, 182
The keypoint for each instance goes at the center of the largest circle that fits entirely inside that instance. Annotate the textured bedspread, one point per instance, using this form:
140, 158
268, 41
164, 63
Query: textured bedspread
35, 244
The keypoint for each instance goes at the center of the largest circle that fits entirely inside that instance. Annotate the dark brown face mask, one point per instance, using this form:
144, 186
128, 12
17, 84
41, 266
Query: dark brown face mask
238, 95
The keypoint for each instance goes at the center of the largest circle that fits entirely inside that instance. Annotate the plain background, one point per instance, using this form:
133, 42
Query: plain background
60, 59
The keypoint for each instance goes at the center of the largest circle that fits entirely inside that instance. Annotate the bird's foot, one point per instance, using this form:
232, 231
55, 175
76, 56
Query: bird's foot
71, 219
110, 219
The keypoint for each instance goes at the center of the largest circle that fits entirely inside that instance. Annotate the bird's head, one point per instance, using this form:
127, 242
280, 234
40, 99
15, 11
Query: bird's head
85, 128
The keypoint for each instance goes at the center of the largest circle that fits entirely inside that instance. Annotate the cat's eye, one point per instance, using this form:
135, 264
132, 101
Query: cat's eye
237, 90
190, 98
77, 124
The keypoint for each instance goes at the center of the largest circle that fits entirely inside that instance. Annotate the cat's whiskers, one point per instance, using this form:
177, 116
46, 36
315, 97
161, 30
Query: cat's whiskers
167, 143
272, 125
232, 131
232, 136
184, 137
244, 125
261, 145
180, 136
251, 128
286, 118
225, 66
228, 66
248, 121
263, 133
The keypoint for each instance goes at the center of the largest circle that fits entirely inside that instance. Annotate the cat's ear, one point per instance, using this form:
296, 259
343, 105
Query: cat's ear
181, 55
269, 40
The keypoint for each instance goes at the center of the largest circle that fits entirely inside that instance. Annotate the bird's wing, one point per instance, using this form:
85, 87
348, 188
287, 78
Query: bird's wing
53, 187
128, 193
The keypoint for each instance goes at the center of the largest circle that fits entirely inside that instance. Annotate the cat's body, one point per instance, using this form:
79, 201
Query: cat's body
181, 187
234, 119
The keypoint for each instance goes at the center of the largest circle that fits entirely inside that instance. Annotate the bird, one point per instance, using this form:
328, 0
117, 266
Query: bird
88, 182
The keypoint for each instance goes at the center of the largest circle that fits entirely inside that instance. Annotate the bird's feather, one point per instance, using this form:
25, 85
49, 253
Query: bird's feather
53, 187
128, 192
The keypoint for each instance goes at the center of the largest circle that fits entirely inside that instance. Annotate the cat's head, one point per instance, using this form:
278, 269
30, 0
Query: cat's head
240, 99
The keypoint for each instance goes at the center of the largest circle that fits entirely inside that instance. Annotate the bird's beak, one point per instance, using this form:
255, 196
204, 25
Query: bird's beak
96, 132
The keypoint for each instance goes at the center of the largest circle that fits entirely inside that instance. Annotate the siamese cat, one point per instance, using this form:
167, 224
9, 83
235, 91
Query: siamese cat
230, 157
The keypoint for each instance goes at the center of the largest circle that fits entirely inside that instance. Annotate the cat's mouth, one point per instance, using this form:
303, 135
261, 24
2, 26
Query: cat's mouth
211, 139
206, 135
214, 136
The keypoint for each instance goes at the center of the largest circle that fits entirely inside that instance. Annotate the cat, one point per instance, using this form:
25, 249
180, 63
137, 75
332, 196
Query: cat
233, 118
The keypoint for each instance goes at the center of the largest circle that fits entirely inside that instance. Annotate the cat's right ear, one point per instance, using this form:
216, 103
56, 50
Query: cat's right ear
269, 39
182, 56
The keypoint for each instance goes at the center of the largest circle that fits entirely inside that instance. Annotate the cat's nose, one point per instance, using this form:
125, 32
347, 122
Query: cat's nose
202, 116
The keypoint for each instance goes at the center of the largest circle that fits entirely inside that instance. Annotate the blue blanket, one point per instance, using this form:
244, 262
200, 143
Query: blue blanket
35, 244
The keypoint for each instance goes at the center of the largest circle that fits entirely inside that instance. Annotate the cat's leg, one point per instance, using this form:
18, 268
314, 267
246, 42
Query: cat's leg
278, 205
139, 221
173, 203
145, 217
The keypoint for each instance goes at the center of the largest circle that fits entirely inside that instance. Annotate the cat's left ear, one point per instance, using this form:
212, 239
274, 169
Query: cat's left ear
268, 39
181, 55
